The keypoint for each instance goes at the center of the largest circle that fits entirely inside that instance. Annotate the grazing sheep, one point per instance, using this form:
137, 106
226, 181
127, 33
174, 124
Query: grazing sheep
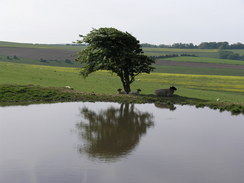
93, 93
69, 87
165, 92
120, 91
136, 93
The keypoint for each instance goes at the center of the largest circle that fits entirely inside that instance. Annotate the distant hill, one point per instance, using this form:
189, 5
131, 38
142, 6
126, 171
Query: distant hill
48, 46
65, 54
40, 54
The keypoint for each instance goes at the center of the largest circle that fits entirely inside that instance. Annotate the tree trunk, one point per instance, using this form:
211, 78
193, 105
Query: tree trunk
126, 82
127, 88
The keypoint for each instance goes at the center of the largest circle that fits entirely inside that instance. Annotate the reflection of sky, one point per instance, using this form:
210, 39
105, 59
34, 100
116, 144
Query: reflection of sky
186, 145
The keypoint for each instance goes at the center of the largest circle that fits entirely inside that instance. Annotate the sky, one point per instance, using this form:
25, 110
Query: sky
150, 21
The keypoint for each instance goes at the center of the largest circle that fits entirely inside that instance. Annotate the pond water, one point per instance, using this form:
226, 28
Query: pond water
119, 143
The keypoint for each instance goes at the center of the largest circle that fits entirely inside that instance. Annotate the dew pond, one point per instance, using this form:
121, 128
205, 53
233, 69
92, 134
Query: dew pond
120, 143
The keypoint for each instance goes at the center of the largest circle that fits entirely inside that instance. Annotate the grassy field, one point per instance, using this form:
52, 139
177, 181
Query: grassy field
198, 70
227, 88
158, 68
61, 63
148, 51
205, 60
212, 53
239, 51
44, 46
201, 81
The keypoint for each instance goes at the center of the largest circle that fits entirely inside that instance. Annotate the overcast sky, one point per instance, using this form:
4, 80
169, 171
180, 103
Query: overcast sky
150, 21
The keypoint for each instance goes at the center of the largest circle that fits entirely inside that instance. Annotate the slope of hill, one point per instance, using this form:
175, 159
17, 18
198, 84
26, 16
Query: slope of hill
38, 53
64, 55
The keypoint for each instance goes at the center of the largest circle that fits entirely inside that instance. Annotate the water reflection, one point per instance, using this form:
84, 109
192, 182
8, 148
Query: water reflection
112, 133
165, 106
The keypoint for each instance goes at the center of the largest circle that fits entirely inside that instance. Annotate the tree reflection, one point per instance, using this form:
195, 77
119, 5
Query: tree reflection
114, 132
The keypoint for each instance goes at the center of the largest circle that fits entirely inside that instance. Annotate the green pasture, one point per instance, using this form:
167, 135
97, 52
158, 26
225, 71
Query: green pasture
205, 60
227, 88
198, 70
212, 53
180, 50
239, 51
14, 44
158, 68
44, 46
60, 63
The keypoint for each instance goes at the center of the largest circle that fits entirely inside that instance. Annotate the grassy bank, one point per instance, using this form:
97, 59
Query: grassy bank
32, 83
205, 87
28, 94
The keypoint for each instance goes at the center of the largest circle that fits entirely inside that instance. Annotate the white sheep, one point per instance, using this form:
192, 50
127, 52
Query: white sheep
137, 92
69, 87
165, 92
121, 92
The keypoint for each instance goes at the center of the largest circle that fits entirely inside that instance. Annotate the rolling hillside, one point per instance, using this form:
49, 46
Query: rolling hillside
207, 61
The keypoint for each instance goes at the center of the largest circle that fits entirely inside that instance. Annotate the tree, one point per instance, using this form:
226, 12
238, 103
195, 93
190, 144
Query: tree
116, 51
230, 55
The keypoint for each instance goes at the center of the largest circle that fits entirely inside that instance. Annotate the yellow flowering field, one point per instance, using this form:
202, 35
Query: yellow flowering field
207, 82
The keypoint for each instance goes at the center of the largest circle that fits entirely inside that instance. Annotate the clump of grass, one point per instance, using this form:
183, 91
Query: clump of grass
200, 105
221, 109
31, 93
235, 109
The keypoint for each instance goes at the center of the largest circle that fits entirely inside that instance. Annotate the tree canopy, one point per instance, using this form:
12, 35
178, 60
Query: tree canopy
114, 50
